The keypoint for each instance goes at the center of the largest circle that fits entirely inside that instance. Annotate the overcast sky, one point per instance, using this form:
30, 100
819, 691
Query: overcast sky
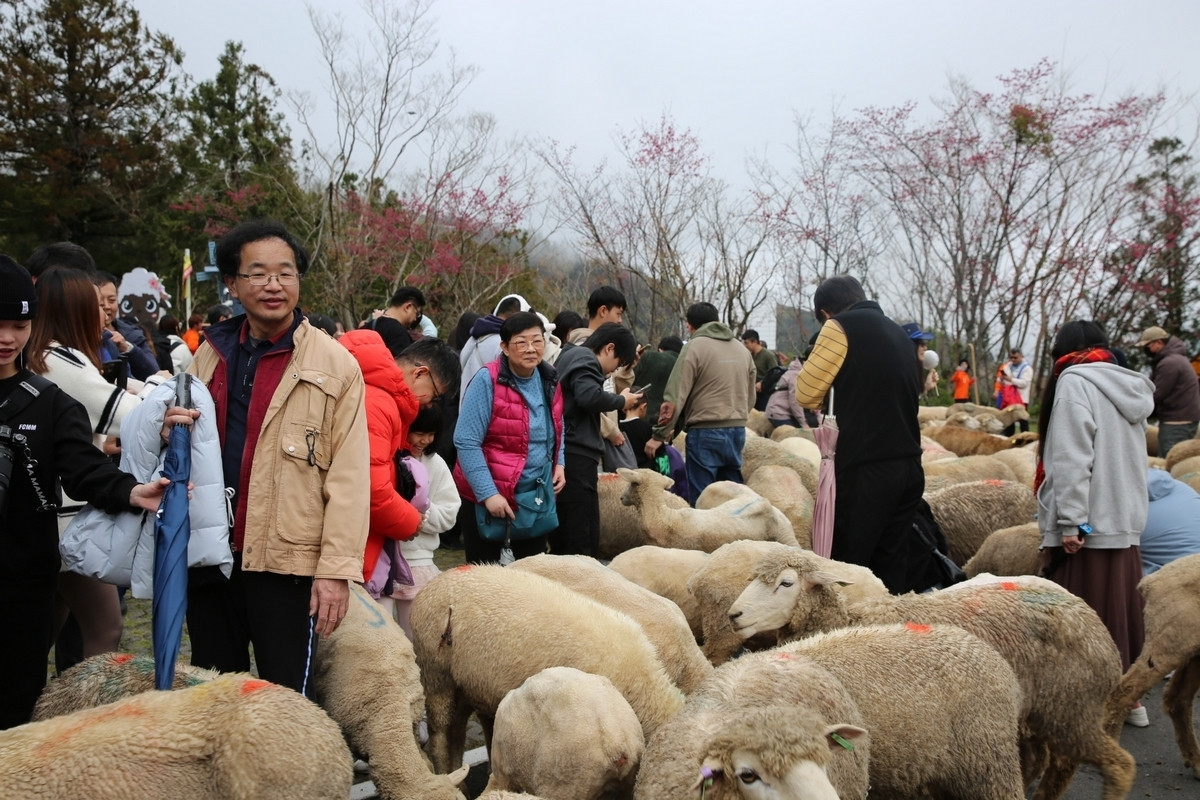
736, 74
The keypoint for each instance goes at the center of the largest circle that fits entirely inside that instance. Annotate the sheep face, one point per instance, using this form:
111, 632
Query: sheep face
760, 761
636, 477
766, 604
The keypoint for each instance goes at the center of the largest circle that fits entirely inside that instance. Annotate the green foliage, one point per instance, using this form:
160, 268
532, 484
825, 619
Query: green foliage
88, 102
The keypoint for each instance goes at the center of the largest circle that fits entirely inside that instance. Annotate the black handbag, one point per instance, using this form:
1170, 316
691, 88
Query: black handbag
935, 568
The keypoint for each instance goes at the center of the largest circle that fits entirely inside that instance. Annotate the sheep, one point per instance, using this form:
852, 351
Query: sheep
1036, 625
1184, 468
784, 489
758, 424
666, 572
968, 512
1022, 461
501, 795
781, 432
730, 569
661, 620
931, 413
941, 707
480, 631
1172, 614
621, 525
1183, 450
966, 442
720, 492
770, 708
967, 469
366, 678
757, 452
106, 678
805, 448
232, 738
560, 717
697, 529
1008, 551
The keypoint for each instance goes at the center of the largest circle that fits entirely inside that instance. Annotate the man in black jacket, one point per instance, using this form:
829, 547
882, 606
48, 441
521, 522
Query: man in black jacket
867, 359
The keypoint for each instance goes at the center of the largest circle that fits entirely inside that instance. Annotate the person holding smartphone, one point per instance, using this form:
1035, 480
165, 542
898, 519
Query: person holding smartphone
581, 372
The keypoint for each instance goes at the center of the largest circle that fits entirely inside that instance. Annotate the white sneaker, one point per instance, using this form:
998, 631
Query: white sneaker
1138, 718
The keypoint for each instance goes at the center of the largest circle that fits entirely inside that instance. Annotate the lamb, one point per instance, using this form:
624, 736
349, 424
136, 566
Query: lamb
666, 572
1008, 551
968, 512
621, 525
562, 716
1035, 624
758, 452
661, 620
941, 707
931, 414
1172, 615
965, 470
805, 448
758, 424
366, 678
697, 529
480, 631
233, 738
729, 570
766, 715
718, 493
1022, 461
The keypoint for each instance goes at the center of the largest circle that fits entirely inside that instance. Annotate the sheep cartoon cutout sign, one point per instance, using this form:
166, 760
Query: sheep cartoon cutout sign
142, 296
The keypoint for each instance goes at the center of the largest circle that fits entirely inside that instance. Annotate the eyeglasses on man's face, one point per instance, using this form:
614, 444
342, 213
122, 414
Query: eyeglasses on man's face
263, 278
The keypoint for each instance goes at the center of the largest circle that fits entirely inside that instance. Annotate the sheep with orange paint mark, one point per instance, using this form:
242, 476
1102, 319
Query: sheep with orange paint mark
1036, 625
233, 738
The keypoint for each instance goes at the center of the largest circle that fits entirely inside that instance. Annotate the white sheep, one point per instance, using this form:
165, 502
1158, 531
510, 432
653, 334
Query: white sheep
1036, 625
366, 678
1172, 616
968, 512
698, 529
758, 452
566, 733
1008, 551
784, 488
662, 621
763, 725
950, 471
940, 705
233, 738
480, 631
718, 493
621, 525
730, 569
666, 572
1188, 448
1021, 460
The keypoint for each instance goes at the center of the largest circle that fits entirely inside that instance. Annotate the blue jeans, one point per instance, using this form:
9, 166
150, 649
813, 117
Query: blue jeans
713, 454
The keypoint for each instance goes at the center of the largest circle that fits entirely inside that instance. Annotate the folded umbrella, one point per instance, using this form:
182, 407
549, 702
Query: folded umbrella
826, 436
172, 529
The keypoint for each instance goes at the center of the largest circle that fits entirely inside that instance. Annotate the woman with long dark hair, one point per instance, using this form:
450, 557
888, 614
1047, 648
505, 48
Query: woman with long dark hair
1091, 481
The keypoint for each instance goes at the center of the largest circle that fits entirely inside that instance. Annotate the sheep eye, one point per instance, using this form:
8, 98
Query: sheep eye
785, 584
747, 776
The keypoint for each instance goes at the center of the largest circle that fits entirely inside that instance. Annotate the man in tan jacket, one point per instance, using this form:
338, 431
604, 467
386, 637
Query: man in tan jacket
289, 402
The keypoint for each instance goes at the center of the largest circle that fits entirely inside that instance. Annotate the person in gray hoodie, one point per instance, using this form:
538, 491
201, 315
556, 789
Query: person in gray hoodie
709, 394
1091, 481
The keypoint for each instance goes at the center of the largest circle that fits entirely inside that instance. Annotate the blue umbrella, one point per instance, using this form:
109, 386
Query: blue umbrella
172, 529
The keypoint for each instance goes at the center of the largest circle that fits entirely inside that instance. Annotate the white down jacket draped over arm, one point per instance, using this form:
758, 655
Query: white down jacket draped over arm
119, 549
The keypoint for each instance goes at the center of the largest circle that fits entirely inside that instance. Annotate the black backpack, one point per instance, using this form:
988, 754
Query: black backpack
770, 385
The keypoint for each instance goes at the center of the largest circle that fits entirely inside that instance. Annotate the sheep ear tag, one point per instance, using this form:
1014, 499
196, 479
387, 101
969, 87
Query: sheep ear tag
843, 741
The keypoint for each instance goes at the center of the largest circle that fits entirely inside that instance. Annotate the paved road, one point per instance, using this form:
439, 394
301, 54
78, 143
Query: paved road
1160, 767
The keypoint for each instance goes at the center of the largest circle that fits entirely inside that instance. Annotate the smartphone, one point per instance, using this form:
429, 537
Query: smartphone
640, 389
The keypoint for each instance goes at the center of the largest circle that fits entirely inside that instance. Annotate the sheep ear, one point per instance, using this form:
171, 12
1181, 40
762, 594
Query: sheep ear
821, 578
628, 474
459, 775
710, 771
842, 737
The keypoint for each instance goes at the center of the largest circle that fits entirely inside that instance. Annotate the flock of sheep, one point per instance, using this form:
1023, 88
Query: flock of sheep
596, 681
